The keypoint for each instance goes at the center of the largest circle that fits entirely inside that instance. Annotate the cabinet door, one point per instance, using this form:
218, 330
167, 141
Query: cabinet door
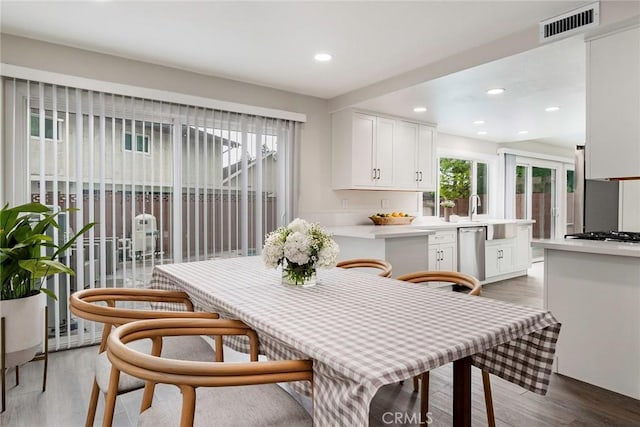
364, 133
404, 162
434, 254
384, 151
613, 105
505, 263
426, 158
447, 258
492, 260
522, 256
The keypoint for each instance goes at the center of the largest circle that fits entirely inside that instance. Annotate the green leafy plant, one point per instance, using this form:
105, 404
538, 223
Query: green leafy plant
23, 262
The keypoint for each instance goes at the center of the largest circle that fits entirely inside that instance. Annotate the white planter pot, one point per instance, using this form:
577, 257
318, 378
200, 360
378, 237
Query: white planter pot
24, 327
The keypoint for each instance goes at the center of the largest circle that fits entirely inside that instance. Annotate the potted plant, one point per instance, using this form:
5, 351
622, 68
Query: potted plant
27, 257
447, 205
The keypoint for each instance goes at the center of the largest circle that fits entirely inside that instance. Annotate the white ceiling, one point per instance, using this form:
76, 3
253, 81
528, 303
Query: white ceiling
551, 75
272, 44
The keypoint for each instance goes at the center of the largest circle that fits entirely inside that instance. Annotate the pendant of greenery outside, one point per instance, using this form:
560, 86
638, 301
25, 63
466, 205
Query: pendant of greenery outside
23, 263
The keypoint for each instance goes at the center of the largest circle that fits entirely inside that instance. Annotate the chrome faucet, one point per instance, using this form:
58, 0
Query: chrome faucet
473, 208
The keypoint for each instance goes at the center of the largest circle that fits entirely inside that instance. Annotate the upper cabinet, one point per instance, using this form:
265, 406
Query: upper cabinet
613, 106
374, 152
414, 157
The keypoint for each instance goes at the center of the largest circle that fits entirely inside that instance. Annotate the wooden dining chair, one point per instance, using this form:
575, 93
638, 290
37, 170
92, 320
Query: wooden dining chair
99, 305
217, 401
475, 288
380, 264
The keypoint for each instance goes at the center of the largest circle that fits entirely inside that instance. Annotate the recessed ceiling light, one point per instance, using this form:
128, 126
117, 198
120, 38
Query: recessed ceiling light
482, 132
478, 122
495, 91
523, 132
420, 109
322, 57
550, 109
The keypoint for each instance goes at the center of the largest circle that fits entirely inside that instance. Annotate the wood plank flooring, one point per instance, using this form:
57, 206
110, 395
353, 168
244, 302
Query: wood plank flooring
569, 402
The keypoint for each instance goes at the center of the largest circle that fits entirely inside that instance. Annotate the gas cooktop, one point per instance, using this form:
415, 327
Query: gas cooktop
611, 236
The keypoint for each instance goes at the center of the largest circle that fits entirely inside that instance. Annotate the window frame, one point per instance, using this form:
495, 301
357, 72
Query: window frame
145, 139
474, 158
47, 116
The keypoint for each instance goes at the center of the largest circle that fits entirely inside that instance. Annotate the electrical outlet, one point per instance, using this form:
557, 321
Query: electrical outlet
384, 204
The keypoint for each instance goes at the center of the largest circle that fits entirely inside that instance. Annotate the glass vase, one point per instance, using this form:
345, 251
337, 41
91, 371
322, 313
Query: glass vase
302, 275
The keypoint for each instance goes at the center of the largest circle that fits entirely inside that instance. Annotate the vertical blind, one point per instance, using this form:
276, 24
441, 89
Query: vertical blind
164, 182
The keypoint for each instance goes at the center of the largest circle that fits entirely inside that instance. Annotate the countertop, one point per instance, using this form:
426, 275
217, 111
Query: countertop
417, 228
590, 246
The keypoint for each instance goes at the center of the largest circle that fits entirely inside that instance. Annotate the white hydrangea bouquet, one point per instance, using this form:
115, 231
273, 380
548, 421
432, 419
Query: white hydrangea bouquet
300, 248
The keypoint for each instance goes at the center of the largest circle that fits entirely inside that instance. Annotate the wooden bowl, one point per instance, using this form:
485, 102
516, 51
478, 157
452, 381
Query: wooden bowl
392, 220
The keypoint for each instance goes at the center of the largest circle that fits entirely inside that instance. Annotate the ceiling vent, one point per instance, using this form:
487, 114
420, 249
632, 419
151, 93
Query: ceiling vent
570, 23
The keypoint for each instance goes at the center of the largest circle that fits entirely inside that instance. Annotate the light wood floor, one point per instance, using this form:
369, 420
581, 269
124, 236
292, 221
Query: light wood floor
569, 402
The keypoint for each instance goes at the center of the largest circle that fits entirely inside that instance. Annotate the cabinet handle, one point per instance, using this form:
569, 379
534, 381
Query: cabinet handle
374, 173
420, 176
378, 173
416, 176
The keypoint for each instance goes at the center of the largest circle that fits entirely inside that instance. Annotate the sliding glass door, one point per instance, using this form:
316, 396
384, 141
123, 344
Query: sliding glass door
543, 205
163, 182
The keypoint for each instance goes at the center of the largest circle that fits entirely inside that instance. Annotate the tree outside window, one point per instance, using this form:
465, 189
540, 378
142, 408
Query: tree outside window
455, 184
459, 179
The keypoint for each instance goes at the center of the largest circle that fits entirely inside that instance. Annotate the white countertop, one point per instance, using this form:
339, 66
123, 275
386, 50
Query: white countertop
590, 246
379, 231
417, 228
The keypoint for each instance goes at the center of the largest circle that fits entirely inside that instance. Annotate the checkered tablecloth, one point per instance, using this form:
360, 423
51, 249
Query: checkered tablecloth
363, 331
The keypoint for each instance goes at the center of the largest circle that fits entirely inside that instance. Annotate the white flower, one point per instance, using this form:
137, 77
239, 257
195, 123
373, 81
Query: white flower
300, 243
328, 255
273, 250
299, 225
297, 248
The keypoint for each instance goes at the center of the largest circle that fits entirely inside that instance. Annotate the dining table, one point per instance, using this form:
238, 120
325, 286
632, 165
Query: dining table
363, 331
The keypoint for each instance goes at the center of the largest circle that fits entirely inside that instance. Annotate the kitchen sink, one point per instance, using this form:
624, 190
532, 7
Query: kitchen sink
501, 231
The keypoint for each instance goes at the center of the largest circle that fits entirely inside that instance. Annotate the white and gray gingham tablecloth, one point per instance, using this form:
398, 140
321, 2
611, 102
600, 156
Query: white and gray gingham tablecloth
363, 331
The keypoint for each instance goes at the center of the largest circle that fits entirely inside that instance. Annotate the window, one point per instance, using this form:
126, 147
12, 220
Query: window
521, 192
459, 179
48, 126
142, 143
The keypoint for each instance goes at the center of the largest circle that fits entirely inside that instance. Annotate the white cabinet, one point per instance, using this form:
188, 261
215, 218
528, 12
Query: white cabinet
613, 105
362, 154
522, 256
415, 156
443, 251
426, 158
499, 257
375, 152
363, 151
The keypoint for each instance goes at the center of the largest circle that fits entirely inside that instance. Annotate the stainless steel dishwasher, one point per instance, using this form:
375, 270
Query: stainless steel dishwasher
471, 251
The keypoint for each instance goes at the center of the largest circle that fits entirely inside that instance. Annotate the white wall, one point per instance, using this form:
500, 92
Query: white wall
454, 143
540, 148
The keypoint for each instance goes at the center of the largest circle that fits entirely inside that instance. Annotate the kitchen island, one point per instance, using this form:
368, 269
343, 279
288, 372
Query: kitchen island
593, 289
433, 245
